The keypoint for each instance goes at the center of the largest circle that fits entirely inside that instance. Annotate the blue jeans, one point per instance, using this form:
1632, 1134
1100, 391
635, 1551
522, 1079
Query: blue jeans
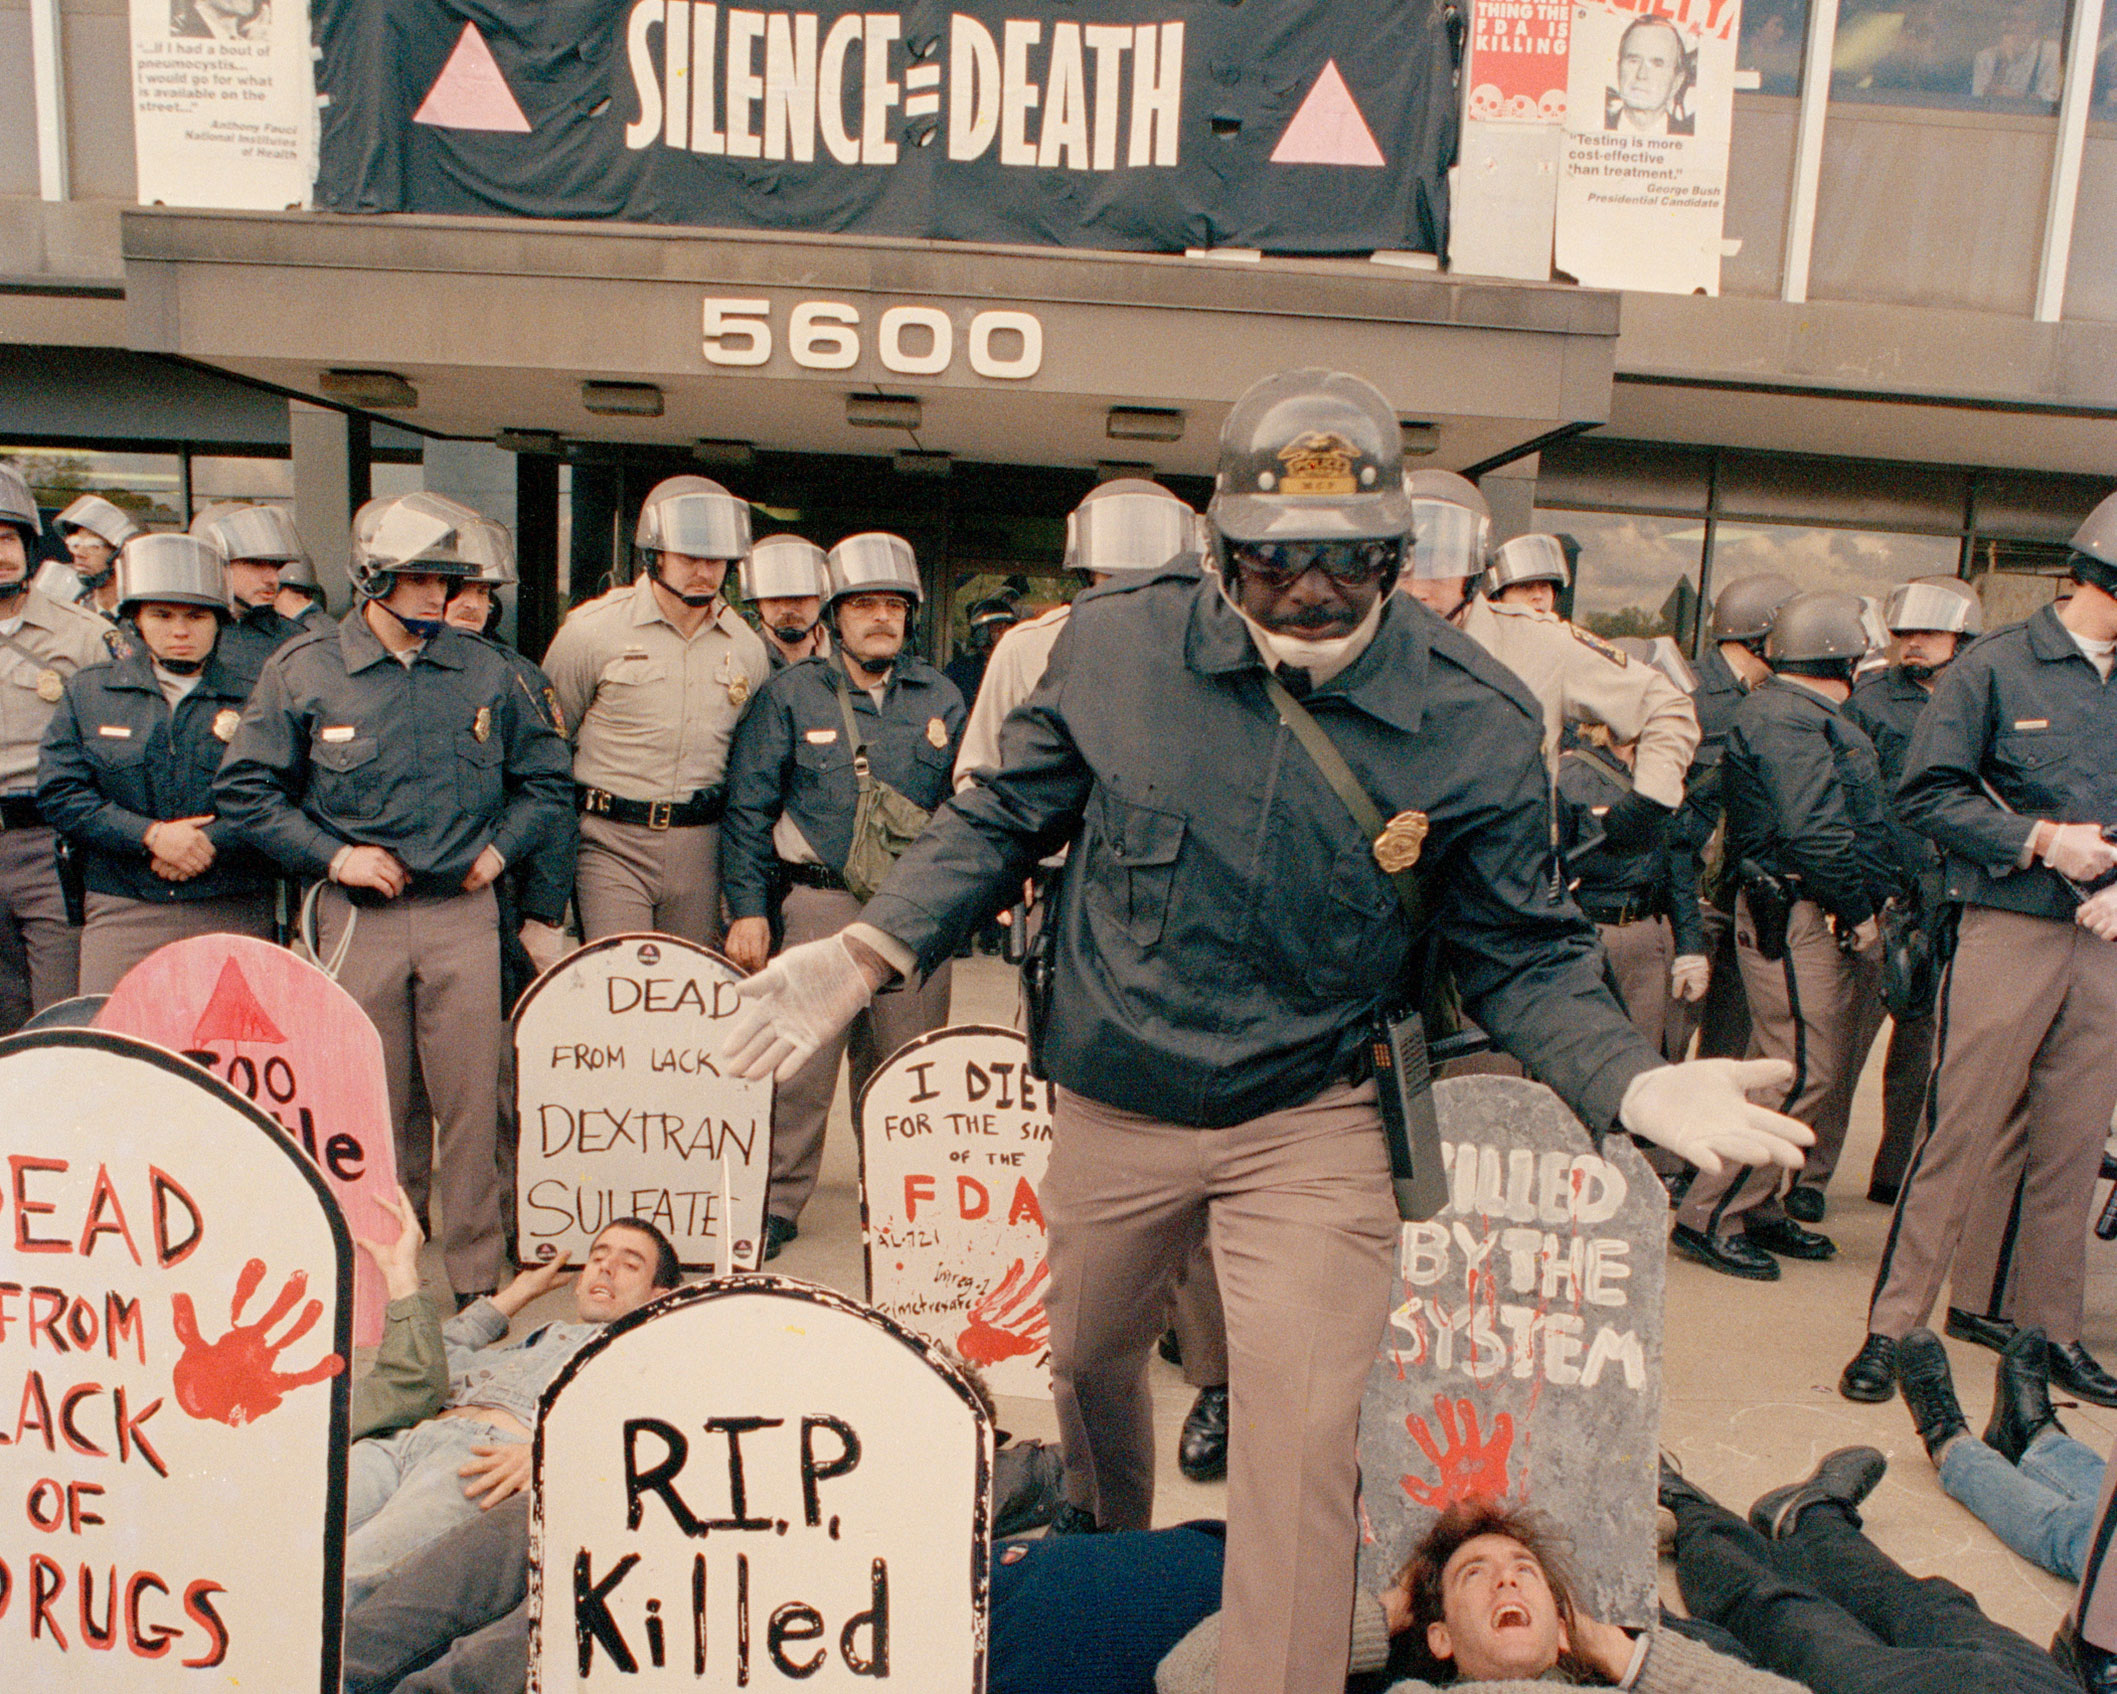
2044, 1510
403, 1491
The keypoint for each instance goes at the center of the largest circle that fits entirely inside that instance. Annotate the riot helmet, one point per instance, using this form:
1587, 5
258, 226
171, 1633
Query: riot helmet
873, 562
1745, 609
1527, 558
491, 551
1944, 603
245, 531
173, 570
696, 517
2094, 559
1661, 653
1129, 524
1818, 634
1451, 533
298, 576
420, 532
93, 516
18, 510
784, 567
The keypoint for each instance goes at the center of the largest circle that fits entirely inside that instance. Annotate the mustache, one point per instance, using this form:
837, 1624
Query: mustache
1316, 617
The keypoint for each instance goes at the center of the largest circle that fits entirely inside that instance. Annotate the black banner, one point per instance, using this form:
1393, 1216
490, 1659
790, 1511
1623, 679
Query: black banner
1152, 125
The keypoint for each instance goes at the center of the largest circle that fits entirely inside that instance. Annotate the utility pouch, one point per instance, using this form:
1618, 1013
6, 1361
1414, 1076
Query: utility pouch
1036, 991
66, 859
885, 822
1771, 907
1910, 974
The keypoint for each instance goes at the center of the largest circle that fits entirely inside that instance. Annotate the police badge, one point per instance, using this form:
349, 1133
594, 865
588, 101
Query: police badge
738, 689
481, 725
936, 733
1397, 847
51, 687
224, 723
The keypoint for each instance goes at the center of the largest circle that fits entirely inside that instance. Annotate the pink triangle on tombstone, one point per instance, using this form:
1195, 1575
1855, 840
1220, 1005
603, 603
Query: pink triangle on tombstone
1328, 130
470, 92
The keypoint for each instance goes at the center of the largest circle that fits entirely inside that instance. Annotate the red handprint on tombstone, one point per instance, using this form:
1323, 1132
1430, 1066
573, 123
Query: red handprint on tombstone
1470, 1467
1008, 1321
233, 1380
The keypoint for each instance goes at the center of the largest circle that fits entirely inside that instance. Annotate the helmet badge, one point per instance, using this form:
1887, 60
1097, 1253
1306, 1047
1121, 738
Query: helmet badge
1321, 462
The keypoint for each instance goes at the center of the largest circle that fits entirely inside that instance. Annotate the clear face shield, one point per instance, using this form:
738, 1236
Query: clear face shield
874, 563
1927, 605
1128, 532
1447, 540
1668, 659
699, 526
257, 532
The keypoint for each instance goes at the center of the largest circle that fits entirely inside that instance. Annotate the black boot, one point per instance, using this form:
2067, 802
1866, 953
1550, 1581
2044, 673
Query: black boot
1929, 1390
1847, 1476
1789, 1240
2021, 1396
1202, 1449
1872, 1374
1733, 1255
1978, 1330
2077, 1371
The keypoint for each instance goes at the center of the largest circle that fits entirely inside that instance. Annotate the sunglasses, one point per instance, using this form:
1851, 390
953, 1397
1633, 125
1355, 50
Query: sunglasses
1347, 563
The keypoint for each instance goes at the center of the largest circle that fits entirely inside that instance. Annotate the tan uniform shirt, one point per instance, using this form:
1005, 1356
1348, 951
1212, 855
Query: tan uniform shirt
650, 710
51, 643
1580, 678
1011, 675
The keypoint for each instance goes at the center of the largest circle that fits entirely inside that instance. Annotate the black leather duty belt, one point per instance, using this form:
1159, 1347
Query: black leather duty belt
1601, 909
811, 876
703, 807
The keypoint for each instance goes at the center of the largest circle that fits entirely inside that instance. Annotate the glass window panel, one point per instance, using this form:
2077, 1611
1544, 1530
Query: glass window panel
1773, 34
1980, 55
1844, 561
1635, 575
214, 477
148, 485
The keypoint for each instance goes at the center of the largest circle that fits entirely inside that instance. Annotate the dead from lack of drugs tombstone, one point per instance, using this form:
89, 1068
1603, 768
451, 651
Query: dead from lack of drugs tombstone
758, 1484
287, 1038
1523, 1356
624, 1112
175, 1326
954, 1135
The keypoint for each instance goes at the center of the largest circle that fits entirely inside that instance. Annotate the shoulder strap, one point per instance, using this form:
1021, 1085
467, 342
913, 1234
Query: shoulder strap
1366, 816
1588, 756
840, 685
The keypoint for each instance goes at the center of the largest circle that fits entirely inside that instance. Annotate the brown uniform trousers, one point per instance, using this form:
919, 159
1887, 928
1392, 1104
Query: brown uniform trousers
632, 880
120, 932
1303, 1233
1906, 1069
1840, 1011
426, 970
801, 1108
40, 952
1723, 1015
2024, 1084
1640, 956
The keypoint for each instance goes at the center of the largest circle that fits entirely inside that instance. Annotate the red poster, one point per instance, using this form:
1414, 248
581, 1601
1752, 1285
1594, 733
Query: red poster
1517, 60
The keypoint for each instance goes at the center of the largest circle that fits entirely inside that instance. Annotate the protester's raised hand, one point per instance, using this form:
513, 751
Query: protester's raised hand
495, 1471
398, 1260
1702, 1112
533, 1284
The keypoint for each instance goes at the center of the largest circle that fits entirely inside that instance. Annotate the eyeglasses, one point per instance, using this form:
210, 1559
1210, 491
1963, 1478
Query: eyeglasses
1347, 563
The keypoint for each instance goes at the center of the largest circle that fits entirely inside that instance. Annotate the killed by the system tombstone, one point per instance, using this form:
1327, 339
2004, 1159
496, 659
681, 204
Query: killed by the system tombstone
1523, 1357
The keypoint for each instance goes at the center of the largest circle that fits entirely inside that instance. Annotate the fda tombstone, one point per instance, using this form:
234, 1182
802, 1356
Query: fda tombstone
175, 1325
1523, 1358
287, 1038
624, 1112
954, 1134
756, 1483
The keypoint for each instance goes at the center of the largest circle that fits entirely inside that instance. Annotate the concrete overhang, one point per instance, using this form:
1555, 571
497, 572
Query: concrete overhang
497, 323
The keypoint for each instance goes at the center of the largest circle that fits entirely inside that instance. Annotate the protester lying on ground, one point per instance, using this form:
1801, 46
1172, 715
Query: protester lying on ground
1486, 1598
1812, 1598
408, 1382
406, 1488
2032, 1484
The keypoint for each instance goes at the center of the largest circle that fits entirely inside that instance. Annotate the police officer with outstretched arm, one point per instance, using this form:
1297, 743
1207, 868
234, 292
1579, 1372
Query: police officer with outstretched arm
128, 764
2012, 771
397, 760
1223, 937
42, 642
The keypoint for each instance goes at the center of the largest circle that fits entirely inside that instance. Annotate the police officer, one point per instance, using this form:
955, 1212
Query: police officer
258, 542
42, 643
301, 596
784, 582
651, 680
1223, 934
1808, 837
2012, 771
1575, 676
93, 529
397, 759
128, 762
989, 620
1732, 665
1929, 617
793, 796
1529, 570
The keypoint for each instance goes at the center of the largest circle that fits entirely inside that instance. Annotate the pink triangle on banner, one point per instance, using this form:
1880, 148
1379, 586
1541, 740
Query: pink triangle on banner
470, 92
1328, 130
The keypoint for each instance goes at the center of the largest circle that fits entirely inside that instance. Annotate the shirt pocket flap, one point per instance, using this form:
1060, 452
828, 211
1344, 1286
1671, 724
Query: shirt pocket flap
2031, 750
486, 752
1139, 836
343, 756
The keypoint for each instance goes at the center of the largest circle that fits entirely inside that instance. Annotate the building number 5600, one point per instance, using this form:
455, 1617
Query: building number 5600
824, 335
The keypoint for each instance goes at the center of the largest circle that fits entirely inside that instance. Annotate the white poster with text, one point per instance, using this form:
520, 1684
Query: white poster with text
223, 103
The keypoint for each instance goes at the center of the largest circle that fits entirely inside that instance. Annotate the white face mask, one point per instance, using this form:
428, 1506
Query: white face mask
1321, 659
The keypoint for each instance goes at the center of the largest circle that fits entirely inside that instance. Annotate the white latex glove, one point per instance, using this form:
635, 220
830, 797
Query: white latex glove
1701, 1112
2077, 850
1690, 974
792, 1007
2098, 913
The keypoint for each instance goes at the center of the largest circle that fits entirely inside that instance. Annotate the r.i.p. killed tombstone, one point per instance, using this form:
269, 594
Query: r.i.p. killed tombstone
757, 1483
953, 1135
287, 1038
624, 1112
1523, 1357
175, 1325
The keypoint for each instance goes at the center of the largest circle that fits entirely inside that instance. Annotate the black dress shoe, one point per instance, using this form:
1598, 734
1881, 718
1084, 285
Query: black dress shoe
1069, 1519
1884, 1193
778, 1231
2074, 1369
1929, 1390
1872, 1374
1804, 1205
1675, 1489
1847, 1476
1202, 1448
1730, 1254
2021, 1396
1789, 1240
1979, 1331
2090, 1666
1170, 1348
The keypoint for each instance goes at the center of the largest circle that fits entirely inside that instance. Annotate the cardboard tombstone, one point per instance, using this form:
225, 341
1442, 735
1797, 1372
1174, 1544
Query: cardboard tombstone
77, 1013
624, 1112
758, 1482
1523, 1357
954, 1135
287, 1038
175, 1330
